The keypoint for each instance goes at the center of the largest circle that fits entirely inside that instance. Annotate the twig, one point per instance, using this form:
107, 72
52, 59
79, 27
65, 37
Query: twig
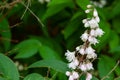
9, 5
33, 14
26, 9
111, 71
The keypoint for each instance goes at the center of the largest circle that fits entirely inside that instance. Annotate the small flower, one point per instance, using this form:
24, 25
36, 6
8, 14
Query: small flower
99, 32
90, 56
89, 6
89, 50
93, 23
82, 51
70, 56
92, 40
68, 73
72, 75
97, 19
87, 11
92, 32
87, 24
84, 20
88, 76
82, 67
84, 36
73, 64
89, 66
95, 14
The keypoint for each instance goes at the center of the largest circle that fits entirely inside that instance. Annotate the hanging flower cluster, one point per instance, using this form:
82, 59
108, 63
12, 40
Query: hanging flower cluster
80, 61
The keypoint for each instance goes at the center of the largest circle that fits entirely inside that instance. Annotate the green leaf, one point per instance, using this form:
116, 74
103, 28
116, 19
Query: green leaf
8, 68
71, 28
83, 3
114, 40
34, 76
5, 33
47, 52
54, 64
27, 48
105, 65
56, 6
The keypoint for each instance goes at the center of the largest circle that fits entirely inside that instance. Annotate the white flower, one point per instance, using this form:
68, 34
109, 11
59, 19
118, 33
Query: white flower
92, 40
84, 36
88, 76
95, 13
70, 56
93, 55
84, 20
89, 6
87, 11
99, 32
73, 64
89, 50
97, 19
89, 66
73, 75
68, 73
82, 51
93, 23
83, 67
87, 24
92, 32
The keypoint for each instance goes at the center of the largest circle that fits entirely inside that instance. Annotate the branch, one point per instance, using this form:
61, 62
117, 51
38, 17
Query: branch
111, 71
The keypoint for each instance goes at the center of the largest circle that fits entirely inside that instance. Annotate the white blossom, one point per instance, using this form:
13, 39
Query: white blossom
72, 75
87, 11
89, 66
99, 32
97, 19
84, 20
93, 23
82, 51
87, 24
89, 50
95, 13
83, 67
73, 64
93, 55
92, 40
89, 6
88, 76
92, 32
70, 56
84, 36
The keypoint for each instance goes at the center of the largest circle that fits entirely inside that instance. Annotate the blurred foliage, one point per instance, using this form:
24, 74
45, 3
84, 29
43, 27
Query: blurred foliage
38, 34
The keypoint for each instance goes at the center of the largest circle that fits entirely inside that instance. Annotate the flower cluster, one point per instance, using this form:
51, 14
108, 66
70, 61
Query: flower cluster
81, 59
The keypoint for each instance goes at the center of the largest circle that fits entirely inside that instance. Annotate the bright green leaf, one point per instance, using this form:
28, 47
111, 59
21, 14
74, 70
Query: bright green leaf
114, 40
34, 76
8, 68
27, 48
54, 64
83, 3
47, 52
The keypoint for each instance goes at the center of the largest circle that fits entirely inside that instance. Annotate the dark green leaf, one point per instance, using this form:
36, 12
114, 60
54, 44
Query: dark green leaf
34, 76
5, 33
54, 64
8, 68
105, 65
